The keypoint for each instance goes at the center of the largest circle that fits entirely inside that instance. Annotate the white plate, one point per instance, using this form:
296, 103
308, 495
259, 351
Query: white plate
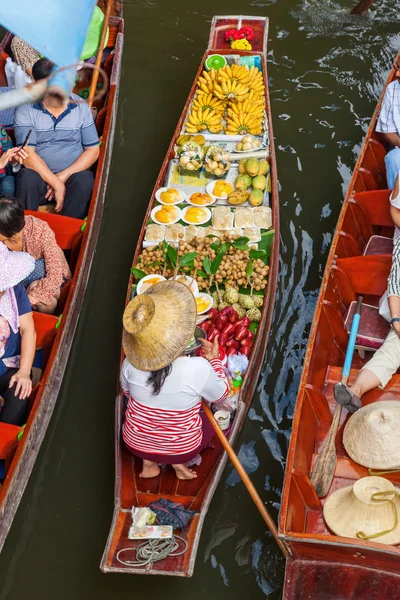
206, 219
262, 147
193, 286
165, 189
212, 200
157, 208
210, 189
139, 288
205, 297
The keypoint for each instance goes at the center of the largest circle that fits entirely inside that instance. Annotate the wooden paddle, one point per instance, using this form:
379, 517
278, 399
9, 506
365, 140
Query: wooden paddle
325, 464
99, 55
246, 479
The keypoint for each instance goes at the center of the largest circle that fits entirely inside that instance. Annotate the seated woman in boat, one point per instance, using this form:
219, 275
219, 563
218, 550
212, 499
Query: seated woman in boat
389, 125
378, 371
163, 423
17, 336
32, 235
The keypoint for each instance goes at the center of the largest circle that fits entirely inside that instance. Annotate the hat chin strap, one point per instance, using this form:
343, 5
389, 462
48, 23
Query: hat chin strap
377, 497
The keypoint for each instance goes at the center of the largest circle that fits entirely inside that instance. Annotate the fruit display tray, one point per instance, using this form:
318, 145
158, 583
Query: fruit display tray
190, 185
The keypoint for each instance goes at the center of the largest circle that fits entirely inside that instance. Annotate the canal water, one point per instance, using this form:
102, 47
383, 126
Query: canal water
326, 70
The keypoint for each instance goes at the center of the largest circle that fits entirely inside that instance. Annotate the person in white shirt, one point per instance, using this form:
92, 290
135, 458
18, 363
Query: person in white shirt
389, 125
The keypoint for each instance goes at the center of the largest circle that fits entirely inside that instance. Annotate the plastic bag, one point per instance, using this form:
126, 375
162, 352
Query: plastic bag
237, 362
191, 157
142, 517
216, 162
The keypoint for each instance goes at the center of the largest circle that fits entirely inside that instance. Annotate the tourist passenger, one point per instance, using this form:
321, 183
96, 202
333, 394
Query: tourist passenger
389, 125
24, 55
378, 371
17, 336
32, 235
63, 145
163, 422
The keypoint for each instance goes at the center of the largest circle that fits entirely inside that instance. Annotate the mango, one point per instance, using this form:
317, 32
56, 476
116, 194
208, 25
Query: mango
242, 182
252, 167
256, 197
259, 182
264, 167
242, 165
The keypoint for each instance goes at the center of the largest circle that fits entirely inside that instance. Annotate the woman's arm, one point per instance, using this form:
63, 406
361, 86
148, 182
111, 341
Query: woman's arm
216, 387
28, 346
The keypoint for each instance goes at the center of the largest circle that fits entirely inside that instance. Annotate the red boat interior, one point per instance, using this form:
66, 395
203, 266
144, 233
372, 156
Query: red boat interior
359, 264
70, 234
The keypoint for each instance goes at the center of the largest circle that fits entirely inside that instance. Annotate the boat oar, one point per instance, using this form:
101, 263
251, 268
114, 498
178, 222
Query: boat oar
99, 56
246, 479
325, 464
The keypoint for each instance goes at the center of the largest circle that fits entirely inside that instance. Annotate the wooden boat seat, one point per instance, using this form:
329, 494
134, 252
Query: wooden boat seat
372, 174
378, 244
45, 326
367, 274
66, 229
8, 446
373, 328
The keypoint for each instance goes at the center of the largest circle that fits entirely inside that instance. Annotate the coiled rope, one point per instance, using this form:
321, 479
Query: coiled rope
153, 551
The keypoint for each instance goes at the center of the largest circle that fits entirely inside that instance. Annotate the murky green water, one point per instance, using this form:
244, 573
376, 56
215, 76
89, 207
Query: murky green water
326, 70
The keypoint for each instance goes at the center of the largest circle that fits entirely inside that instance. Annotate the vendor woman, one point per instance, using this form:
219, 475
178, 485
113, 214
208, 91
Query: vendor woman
163, 423
17, 336
32, 235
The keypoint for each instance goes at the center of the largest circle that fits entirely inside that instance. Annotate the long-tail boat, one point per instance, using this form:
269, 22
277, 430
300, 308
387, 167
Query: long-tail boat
323, 565
196, 494
55, 333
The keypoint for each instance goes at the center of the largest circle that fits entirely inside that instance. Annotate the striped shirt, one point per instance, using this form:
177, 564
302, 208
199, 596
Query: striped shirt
394, 276
170, 423
389, 117
58, 141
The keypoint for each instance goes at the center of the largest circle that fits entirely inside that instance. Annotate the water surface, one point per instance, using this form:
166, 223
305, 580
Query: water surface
326, 70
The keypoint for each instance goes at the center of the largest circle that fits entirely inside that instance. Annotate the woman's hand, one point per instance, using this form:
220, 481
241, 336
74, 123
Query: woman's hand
19, 157
210, 350
9, 155
24, 384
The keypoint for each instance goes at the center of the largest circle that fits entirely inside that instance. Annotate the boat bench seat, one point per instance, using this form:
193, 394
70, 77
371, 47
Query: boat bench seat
373, 328
378, 244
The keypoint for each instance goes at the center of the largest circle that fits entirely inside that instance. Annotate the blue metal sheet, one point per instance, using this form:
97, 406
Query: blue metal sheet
55, 28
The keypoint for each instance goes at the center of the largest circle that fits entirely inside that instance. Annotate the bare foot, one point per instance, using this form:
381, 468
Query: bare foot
150, 469
182, 472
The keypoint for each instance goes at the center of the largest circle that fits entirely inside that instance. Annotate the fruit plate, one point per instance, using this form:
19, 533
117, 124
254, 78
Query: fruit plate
203, 297
212, 199
189, 281
165, 189
210, 190
147, 281
158, 208
202, 222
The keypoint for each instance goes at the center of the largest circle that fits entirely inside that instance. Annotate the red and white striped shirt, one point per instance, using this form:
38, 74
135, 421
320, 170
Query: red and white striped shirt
170, 422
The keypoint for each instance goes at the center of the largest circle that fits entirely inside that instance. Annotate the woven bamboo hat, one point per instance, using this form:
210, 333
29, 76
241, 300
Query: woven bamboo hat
158, 325
372, 435
352, 512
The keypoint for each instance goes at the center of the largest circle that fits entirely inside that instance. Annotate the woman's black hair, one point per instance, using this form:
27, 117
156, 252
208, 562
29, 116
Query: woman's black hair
42, 69
157, 378
12, 218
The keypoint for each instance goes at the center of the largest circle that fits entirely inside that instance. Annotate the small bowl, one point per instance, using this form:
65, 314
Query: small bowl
139, 287
223, 418
212, 200
205, 220
193, 283
210, 189
198, 333
164, 189
205, 297
157, 208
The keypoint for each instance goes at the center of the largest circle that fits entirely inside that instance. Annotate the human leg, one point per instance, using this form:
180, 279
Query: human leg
392, 163
376, 373
150, 469
79, 189
14, 411
7, 186
30, 189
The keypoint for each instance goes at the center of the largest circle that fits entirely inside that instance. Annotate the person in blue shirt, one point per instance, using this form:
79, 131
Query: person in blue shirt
17, 336
63, 145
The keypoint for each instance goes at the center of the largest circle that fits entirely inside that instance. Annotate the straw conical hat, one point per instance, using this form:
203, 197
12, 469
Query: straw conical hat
372, 435
351, 510
158, 325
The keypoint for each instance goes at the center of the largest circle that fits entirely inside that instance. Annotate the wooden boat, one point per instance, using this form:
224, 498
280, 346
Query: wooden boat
323, 565
130, 489
55, 334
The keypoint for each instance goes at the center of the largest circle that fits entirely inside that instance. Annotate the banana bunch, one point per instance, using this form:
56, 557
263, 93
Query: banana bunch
256, 83
231, 89
206, 82
204, 101
235, 72
249, 106
243, 123
199, 120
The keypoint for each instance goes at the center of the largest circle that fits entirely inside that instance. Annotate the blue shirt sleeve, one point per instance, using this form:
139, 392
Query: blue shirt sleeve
88, 129
24, 306
23, 123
